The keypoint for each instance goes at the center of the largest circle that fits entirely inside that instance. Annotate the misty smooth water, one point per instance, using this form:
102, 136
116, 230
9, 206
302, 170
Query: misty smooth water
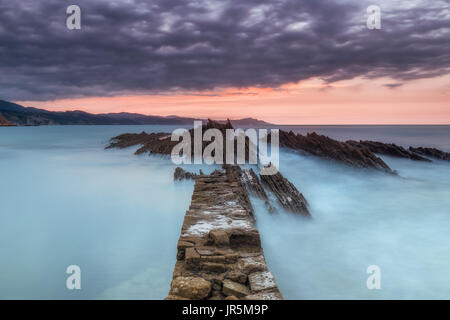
65, 200
363, 218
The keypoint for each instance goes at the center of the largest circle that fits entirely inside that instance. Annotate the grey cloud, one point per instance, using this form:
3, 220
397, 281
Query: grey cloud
169, 45
393, 85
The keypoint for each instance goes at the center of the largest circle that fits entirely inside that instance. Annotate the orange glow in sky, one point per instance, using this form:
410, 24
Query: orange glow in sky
357, 101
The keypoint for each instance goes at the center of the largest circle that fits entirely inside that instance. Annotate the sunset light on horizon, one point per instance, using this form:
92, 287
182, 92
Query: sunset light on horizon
356, 101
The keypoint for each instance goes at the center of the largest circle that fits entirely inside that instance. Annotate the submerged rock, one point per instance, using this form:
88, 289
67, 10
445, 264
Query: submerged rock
431, 152
388, 149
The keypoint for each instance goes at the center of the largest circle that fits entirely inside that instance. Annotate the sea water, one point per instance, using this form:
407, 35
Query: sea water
64, 200
361, 218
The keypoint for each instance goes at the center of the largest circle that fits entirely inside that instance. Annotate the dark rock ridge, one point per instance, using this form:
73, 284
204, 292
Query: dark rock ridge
160, 143
287, 194
219, 249
325, 147
431, 152
388, 149
312, 143
253, 185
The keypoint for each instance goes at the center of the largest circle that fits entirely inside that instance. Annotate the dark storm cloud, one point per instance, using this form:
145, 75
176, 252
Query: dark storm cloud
171, 45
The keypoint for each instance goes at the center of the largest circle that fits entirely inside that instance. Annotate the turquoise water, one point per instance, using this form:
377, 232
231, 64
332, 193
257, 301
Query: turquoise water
362, 218
65, 200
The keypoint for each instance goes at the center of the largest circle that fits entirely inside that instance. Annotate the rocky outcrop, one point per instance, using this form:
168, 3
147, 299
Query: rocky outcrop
5, 123
360, 154
388, 149
432, 153
219, 250
160, 143
325, 147
312, 143
287, 194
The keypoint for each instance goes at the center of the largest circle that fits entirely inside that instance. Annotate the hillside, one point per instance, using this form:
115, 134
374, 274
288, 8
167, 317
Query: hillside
4, 122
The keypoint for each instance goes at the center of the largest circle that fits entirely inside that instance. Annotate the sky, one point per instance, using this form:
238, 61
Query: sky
283, 61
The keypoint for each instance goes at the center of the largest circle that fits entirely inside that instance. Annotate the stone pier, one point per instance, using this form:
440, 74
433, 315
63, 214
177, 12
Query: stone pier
219, 250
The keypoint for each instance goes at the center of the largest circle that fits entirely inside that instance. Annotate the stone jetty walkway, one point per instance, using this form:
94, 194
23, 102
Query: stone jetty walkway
219, 250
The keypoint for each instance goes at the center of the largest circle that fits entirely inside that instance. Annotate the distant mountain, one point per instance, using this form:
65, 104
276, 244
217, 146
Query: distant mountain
249, 122
23, 116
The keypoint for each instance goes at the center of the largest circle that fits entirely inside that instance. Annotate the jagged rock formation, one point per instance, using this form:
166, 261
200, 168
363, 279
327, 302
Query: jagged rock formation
219, 250
4, 122
158, 143
357, 154
287, 194
431, 152
325, 147
181, 174
312, 143
253, 186
388, 149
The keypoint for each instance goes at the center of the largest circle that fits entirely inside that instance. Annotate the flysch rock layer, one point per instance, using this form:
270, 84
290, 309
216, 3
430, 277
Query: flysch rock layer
431, 152
287, 194
388, 149
313, 143
219, 250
